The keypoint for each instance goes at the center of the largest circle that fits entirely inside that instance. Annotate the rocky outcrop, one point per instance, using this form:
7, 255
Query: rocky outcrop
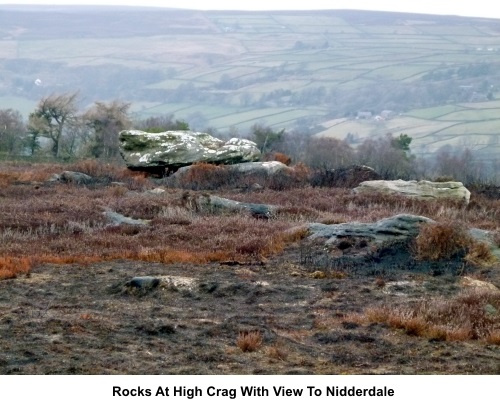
397, 228
215, 203
426, 190
171, 150
383, 247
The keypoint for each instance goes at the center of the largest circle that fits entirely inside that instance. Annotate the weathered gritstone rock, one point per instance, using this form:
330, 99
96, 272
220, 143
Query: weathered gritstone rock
150, 282
171, 150
213, 202
72, 177
396, 228
268, 168
247, 168
425, 190
478, 284
119, 219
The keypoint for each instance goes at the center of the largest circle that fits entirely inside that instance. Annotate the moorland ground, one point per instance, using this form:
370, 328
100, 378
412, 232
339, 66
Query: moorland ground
233, 294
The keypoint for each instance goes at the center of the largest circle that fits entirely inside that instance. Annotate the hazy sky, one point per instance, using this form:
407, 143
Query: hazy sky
476, 8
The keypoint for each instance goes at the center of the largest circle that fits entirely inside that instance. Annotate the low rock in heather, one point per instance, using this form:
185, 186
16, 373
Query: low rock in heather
397, 228
72, 177
119, 219
269, 168
425, 190
215, 203
170, 150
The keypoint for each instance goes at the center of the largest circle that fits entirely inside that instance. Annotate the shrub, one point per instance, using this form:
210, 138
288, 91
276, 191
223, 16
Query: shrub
249, 341
279, 157
11, 267
278, 352
205, 176
106, 173
293, 177
439, 241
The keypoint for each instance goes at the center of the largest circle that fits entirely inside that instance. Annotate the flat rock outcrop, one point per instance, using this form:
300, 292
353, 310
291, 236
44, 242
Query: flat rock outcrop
171, 150
426, 190
397, 228
248, 168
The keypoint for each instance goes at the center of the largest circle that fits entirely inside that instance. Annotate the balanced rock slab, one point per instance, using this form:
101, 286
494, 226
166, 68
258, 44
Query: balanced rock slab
173, 149
425, 190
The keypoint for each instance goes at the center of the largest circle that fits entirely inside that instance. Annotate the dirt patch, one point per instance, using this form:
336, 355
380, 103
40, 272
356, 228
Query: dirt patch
73, 319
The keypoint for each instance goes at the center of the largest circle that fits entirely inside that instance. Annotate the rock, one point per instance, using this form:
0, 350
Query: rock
156, 191
348, 177
375, 248
426, 190
212, 202
247, 168
487, 237
397, 228
119, 219
490, 310
478, 284
255, 187
72, 177
268, 168
176, 283
146, 282
171, 150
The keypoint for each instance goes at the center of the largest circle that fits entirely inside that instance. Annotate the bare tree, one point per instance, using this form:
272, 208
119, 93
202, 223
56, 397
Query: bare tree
328, 153
161, 123
106, 120
388, 156
12, 130
52, 116
265, 138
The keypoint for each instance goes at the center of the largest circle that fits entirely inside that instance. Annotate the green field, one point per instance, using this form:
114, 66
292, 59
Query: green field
241, 68
431, 128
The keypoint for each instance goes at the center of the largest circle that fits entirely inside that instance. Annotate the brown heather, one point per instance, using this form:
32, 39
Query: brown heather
459, 318
249, 341
441, 241
64, 223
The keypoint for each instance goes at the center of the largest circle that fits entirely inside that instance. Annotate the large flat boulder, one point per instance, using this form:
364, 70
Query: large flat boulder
426, 190
171, 150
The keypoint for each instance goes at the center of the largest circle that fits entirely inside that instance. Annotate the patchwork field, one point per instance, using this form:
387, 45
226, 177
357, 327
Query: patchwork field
237, 69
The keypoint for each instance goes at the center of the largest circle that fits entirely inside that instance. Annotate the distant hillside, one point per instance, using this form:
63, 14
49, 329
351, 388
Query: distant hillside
333, 72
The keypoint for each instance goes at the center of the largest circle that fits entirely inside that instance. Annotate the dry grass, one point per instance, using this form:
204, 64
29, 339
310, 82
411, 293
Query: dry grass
278, 352
463, 317
438, 241
249, 341
64, 223
11, 267
442, 241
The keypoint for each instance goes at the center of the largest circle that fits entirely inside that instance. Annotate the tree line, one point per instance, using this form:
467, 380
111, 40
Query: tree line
93, 133
71, 133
